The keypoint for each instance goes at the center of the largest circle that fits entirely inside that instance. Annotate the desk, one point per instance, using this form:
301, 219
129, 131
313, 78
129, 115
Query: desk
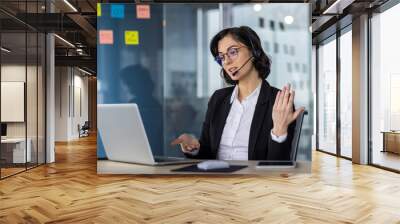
18, 149
112, 167
391, 141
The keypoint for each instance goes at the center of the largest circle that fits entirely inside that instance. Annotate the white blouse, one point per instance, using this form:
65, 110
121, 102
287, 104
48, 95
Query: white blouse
235, 136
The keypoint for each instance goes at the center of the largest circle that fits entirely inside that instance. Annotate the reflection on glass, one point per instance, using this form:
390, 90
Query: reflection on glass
276, 25
345, 94
191, 74
327, 96
385, 85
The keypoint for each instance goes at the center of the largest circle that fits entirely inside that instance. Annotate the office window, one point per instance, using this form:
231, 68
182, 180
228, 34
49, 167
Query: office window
281, 26
289, 67
276, 48
272, 25
304, 66
346, 94
292, 50
385, 89
297, 66
266, 46
261, 22
285, 49
327, 96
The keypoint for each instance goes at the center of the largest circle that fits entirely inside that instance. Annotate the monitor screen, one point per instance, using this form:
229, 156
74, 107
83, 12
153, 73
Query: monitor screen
3, 129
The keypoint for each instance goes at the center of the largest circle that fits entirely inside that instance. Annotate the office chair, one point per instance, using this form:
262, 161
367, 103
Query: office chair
297, 134
84, 130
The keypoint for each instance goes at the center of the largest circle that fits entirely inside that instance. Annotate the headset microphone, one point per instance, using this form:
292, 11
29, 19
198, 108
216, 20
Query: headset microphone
234, 73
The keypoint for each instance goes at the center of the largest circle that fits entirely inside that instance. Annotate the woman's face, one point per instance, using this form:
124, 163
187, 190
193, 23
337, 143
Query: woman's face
234, 55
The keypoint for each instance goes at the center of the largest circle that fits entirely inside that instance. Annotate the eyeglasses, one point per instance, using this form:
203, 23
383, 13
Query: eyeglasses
232, 53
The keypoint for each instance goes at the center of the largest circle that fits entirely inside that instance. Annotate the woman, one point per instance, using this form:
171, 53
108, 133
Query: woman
250, 120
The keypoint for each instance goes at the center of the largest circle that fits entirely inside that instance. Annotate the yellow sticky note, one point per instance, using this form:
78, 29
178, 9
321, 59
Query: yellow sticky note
98, 9
131, 37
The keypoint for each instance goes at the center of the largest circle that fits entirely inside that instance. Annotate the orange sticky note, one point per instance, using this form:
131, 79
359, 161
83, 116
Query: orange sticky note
106, 37
143, 11
131, 37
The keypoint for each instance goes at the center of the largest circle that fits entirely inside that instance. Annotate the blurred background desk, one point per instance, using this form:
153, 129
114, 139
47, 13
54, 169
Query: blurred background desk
13, 150
391, 141
112, 167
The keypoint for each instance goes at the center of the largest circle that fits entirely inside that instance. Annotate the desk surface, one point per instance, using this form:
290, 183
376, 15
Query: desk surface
112, 167
390, 132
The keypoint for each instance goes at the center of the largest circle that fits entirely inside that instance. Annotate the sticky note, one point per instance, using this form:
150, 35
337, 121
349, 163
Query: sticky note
98, 9
106, 37
118, 11
131, 37
143, 11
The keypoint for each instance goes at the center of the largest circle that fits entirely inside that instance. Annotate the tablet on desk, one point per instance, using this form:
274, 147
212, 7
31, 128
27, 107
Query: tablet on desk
276, 164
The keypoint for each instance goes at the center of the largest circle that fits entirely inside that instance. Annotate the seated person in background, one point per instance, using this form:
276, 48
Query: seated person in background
250, 120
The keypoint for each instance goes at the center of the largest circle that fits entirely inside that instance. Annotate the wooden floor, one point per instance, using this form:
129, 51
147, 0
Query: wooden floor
70, 191
5, 172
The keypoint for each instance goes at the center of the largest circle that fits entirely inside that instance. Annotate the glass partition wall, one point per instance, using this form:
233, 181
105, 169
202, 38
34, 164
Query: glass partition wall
334, 94
22, 88
385, 90
326, 106
170, 73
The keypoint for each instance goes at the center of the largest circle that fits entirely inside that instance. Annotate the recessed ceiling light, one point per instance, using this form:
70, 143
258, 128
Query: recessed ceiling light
257, 7
288, 19
70, 5
84, 71
64, 40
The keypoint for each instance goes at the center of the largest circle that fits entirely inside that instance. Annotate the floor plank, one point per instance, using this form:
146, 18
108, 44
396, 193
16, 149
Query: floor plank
70, 191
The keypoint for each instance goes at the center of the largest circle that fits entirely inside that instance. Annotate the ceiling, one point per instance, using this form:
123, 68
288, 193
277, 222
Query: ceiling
76, 25
76, 22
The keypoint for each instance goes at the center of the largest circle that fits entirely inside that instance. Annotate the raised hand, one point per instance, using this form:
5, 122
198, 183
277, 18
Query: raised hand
282, 111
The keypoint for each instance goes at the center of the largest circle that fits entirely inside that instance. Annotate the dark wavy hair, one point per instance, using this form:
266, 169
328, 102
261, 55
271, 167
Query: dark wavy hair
250, 39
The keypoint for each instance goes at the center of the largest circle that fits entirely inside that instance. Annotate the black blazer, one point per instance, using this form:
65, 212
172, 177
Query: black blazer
261, 146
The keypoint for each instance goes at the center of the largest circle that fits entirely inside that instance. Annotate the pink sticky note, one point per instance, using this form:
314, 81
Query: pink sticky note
143, 11
106, 37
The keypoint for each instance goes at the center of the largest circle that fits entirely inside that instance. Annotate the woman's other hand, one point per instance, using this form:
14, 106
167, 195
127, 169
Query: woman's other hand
282, 111
188, 143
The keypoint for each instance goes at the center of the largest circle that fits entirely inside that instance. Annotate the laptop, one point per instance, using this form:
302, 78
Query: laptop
124, 137
295, 145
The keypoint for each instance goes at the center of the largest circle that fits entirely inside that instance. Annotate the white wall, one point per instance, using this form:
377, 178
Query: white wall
62, 81
71, 94
17, 73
